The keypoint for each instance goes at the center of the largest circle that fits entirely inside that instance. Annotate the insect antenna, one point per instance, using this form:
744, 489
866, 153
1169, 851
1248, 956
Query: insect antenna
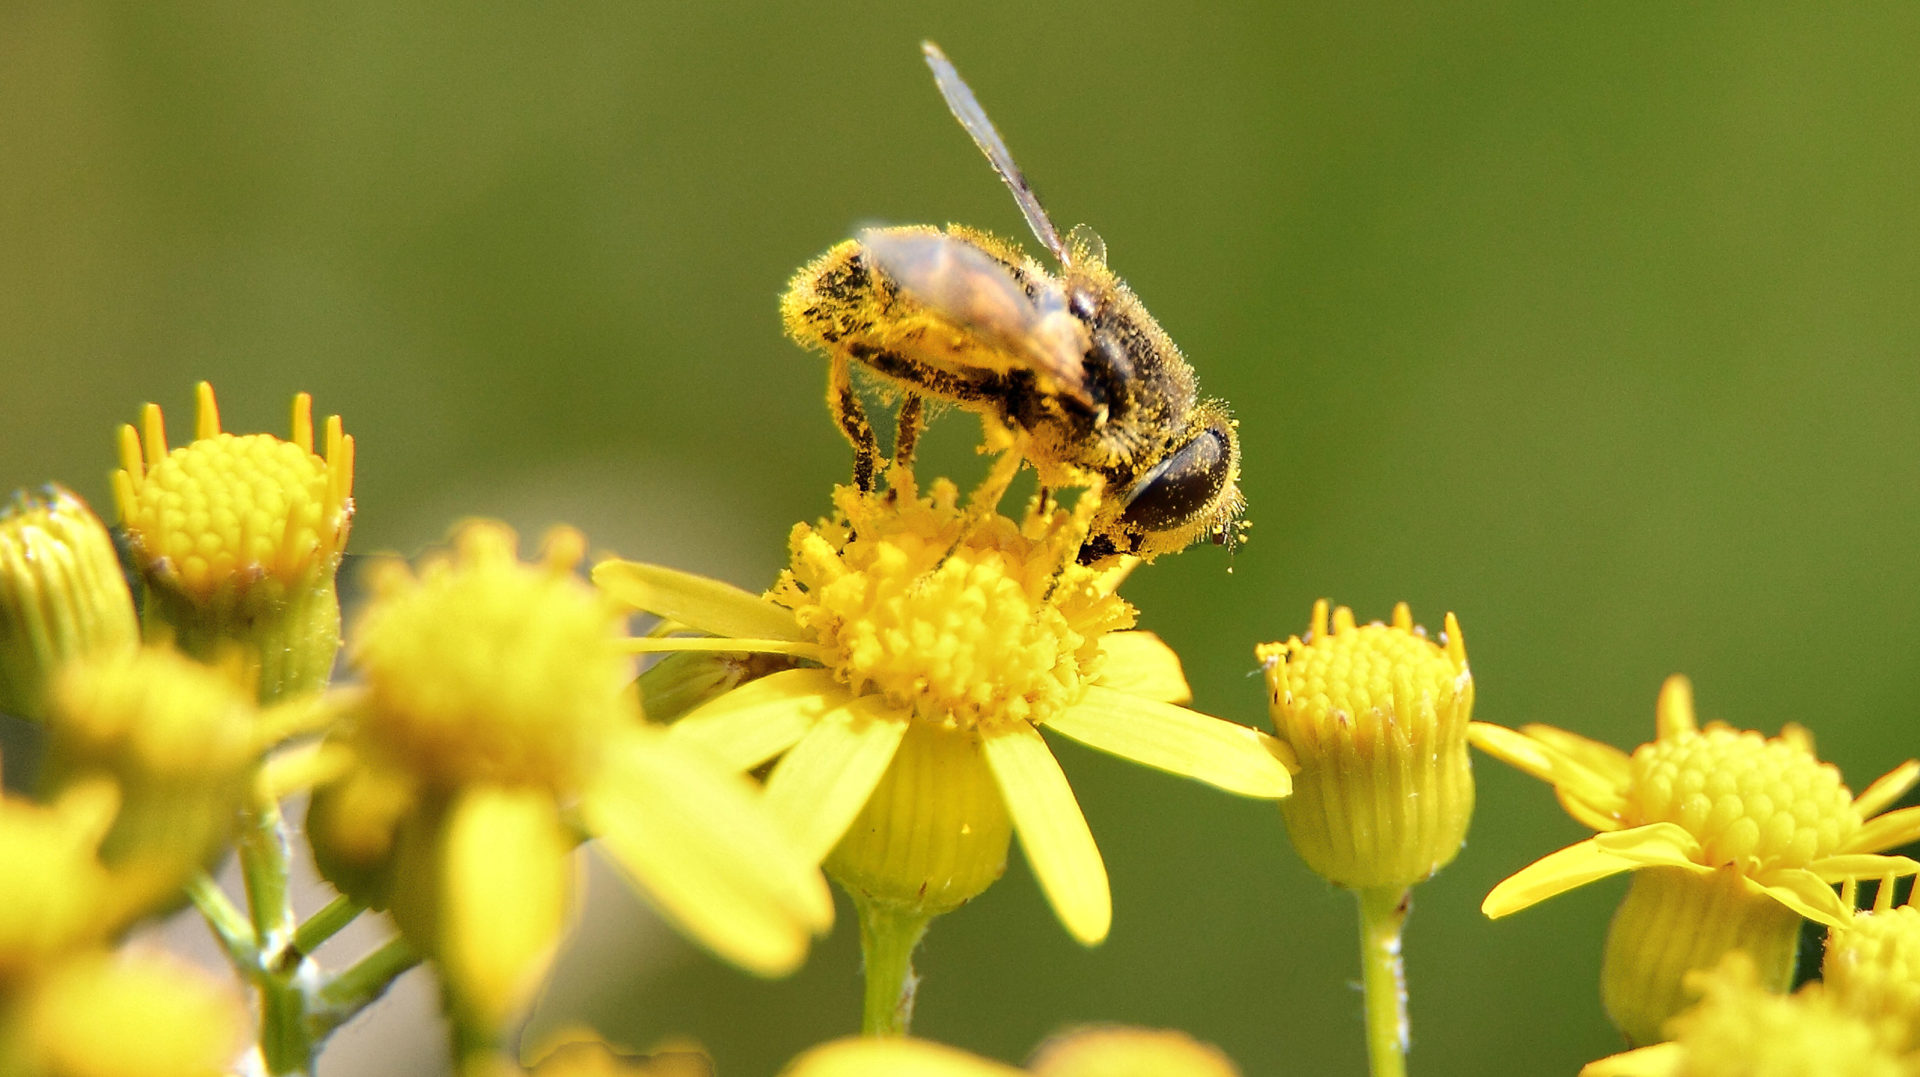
966, 108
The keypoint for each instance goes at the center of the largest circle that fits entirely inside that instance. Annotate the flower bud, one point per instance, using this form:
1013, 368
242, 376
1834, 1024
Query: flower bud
61, 595
1377, 716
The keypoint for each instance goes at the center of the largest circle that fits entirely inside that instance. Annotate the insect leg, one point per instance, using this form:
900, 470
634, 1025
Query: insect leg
907, 427
852, 418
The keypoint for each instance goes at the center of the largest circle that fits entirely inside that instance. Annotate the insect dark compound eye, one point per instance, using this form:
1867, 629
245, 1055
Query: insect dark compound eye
1187, 483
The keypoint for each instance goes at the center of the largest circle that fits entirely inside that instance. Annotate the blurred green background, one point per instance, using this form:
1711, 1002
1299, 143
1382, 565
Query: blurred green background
1596, 324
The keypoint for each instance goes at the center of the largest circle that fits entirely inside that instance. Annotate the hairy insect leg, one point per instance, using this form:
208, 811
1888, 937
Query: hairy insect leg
852, 419
907, 426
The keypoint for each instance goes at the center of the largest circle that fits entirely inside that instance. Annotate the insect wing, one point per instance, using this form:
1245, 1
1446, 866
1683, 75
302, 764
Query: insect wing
969, 287
966, 108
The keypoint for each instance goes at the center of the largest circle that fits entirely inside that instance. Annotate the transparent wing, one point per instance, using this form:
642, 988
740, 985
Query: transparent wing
967, 110
968, 287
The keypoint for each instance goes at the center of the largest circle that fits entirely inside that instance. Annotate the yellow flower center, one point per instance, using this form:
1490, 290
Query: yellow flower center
1756, 802
234, 511
1740, 1029
1873, 965
487, 669
1380, 681
956, 615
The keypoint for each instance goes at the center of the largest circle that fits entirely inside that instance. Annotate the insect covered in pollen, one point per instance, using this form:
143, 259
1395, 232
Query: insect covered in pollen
1068, 369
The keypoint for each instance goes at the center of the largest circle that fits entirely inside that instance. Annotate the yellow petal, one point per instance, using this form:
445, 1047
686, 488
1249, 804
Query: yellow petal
820, 785
856, 1057
1118, 1051
1673, 712
1660, 1060
1887, 831
700, 844
507, 883
1139, 664
1888, 789
1177, 740
724, 644
1577, 768
1654, 845
1513, 748
1552, 875
1805, 893
1607, 763
1584, 813
760, 719
1837, 869
695, 601
1052, 831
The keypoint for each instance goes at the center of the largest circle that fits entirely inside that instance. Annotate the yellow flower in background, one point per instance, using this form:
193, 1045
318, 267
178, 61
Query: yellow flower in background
1101, 1051
237, 539
61, 595
578, 1053
1377, 716
938, 640
1732, 838
132, 1014
178, 739
59, 897
69, 1007
1743, 1028
494, 725
1872, 964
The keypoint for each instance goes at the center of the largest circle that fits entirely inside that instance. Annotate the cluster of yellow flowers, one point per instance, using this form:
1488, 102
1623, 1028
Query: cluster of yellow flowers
880, 713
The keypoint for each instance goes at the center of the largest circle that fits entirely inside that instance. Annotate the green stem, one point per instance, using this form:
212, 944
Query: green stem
887, 938
1383, 913
477, 1046
325, 924
356, 988
285, 1043
227, 923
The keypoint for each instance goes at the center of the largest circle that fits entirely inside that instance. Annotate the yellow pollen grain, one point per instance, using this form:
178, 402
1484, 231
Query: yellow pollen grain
1757, 802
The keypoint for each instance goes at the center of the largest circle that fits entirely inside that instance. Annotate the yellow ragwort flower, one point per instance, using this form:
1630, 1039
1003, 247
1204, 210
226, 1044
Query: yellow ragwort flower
131, 1014
1377, 716
575, 1052
1872, 965
1743, 1028
61, 595
59, 896
934, 641
494, 724
180, 740
1733, 837
237, 538
1100, 1051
